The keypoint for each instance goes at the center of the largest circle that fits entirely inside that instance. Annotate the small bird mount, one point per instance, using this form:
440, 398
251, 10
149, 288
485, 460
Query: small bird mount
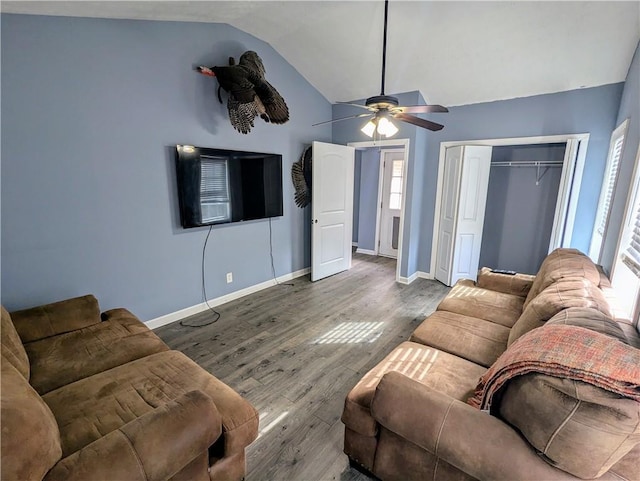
301, 178
250, 95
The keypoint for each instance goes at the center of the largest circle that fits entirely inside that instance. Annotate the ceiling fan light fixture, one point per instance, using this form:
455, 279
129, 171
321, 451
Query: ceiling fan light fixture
379, 125
369, 128
386, 127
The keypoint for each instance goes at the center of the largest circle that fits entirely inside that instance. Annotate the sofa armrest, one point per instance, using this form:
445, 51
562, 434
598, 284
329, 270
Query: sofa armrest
514, 284
471, 440
153, 447
56, 318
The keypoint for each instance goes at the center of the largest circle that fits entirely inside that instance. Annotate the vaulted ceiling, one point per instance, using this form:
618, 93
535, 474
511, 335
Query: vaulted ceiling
454, 53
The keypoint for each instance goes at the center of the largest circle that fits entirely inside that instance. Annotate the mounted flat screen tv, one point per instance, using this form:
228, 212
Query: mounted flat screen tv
217, 186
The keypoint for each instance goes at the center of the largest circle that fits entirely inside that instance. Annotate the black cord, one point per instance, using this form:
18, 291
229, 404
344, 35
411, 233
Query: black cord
273, 269
216, 314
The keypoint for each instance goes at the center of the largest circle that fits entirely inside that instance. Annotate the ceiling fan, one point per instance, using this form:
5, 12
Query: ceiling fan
382, 108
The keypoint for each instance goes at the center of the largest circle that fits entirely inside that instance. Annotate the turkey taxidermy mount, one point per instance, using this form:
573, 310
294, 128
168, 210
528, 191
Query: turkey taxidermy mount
250, 95
301, 178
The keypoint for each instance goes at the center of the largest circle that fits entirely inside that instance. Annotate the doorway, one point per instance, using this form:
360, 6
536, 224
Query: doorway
524, 181
379, 206
564, 210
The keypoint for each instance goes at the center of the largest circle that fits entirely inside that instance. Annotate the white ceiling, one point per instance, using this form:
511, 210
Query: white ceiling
454, 53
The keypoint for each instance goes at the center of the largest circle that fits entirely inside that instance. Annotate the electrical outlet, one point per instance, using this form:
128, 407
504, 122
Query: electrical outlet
229, 277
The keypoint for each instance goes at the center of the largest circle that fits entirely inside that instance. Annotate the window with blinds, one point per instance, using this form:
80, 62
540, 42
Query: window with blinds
610, 183
395, 190
625, 275
631, 253
214, 189
609, 180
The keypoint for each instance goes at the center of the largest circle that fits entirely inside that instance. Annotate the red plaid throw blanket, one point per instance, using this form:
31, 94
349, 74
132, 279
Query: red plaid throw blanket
568, 352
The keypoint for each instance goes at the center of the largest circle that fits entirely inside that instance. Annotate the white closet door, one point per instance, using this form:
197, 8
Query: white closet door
466, 180
559, 235
448, 213
474, 184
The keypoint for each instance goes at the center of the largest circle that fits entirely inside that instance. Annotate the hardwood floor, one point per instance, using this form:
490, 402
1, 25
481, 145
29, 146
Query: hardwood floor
296, 351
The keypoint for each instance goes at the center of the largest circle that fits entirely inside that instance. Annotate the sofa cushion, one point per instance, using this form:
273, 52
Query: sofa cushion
106, 401
437, 369
474, 339
627, 467
12, 347
559, 264
588, 318
30, 438
469, 300
565, 293
575, 426
516, 284
56, 318
58, 360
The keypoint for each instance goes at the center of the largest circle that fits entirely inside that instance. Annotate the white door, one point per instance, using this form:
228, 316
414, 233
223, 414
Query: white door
466, 181
391, 202
331, 209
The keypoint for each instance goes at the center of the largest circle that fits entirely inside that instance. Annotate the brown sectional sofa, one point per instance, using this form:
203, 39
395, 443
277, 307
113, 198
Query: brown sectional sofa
87, 395
409, 419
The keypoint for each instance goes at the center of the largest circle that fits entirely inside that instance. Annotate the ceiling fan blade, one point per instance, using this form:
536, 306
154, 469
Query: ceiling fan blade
412, 119
421, 109
343, 118
355, 105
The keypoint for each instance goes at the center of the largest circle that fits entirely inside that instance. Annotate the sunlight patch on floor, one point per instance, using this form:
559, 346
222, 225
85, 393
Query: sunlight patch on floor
352, 333
272, 424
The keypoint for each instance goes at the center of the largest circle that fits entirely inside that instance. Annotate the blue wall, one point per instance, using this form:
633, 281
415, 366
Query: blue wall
591, 110
629, 109
90, 111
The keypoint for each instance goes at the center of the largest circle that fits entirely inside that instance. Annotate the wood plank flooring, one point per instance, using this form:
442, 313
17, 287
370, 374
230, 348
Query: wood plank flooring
296, 351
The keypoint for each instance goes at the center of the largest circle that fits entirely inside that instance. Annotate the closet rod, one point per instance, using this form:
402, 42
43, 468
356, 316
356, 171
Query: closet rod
529, 163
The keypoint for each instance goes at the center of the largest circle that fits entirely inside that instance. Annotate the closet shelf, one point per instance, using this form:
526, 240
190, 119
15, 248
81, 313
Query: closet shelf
546, 164
529, 163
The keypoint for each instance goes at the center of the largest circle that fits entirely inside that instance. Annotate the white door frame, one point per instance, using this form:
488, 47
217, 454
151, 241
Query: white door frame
380, 188
566, 189
400, 144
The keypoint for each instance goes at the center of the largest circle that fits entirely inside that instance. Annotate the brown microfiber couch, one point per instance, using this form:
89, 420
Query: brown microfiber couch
99, 396
408, 418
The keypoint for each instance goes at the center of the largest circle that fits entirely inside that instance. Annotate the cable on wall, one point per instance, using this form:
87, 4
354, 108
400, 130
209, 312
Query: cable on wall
273, 269
216, 314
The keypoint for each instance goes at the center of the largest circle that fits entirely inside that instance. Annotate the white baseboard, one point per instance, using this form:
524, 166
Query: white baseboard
366, 251
232, 296
414, 276
354, 244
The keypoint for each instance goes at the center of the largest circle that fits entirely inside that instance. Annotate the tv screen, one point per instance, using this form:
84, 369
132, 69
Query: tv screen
217, 186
